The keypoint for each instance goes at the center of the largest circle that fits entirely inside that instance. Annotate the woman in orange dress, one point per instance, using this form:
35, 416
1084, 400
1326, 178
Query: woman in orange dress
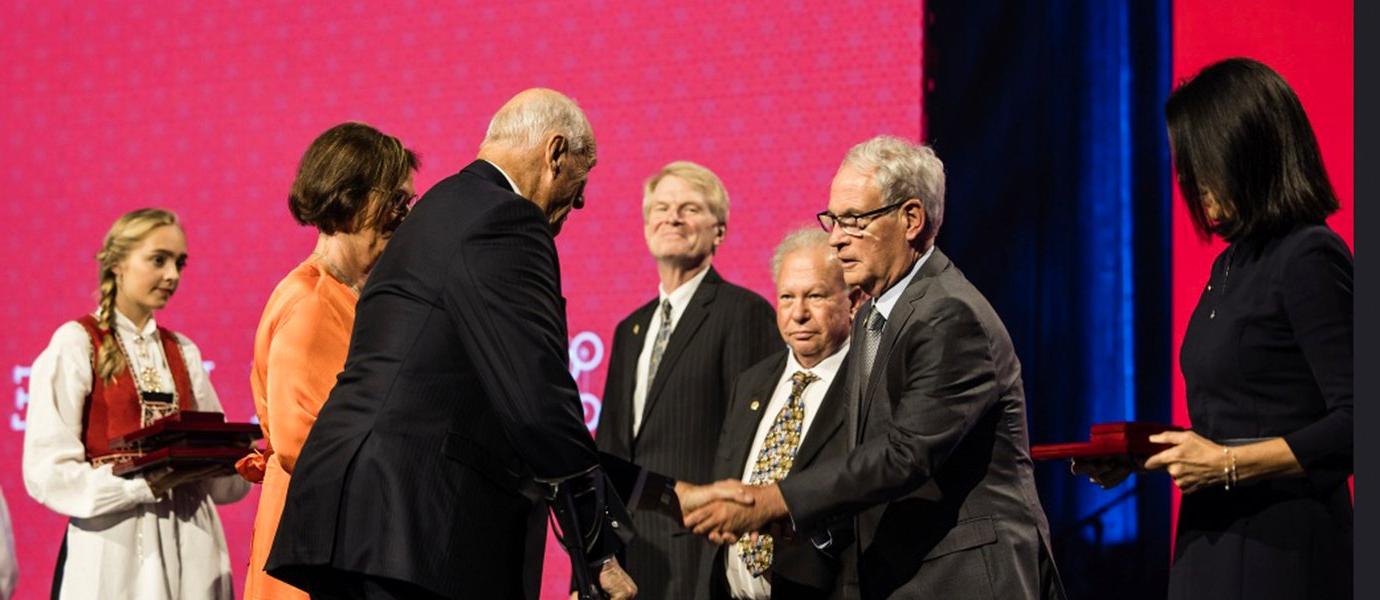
354, 185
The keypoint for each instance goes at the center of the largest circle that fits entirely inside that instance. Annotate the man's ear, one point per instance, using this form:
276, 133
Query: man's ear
557, 152
914, 211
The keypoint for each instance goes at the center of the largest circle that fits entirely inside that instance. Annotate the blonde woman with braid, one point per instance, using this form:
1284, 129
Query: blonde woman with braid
104, 375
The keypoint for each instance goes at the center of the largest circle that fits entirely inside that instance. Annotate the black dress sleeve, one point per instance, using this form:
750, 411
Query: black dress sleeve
1316, 292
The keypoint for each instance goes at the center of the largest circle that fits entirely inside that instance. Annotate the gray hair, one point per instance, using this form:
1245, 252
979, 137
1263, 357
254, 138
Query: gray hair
901, 171
526, 124
795, 241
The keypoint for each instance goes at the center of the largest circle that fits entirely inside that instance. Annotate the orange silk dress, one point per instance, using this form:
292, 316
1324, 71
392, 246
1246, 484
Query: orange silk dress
299, 349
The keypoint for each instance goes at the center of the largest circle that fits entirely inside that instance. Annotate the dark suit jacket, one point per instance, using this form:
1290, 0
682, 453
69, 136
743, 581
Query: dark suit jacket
799, 571
455, 393
941, 481
724, 330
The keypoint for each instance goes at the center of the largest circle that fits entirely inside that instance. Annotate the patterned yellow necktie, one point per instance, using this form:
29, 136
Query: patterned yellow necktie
774, 461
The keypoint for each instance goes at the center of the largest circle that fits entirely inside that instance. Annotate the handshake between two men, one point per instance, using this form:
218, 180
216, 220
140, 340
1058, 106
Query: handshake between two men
729, 509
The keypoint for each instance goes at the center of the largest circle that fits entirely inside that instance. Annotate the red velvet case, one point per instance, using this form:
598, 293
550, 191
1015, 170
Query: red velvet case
1108, 440
187, 440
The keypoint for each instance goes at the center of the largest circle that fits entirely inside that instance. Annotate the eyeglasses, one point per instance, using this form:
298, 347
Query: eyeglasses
853, 224
404, 201
401, 199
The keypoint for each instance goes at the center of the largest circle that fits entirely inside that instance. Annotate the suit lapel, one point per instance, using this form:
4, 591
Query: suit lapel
901, 315
827, 423
690, 321
853, 391
741, 425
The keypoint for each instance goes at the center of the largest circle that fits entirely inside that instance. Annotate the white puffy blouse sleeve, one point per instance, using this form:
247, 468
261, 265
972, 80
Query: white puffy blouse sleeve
56, 472
228, 488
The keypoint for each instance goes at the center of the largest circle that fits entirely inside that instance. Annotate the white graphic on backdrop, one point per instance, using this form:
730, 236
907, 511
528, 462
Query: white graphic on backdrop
21, 397
586, 354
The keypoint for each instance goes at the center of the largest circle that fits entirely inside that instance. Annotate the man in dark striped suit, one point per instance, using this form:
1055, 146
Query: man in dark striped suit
673, 360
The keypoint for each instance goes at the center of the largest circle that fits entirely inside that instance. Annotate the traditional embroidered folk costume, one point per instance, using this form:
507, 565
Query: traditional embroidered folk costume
122, 541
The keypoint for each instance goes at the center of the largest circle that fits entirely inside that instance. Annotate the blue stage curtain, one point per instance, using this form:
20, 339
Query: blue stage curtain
1048, 117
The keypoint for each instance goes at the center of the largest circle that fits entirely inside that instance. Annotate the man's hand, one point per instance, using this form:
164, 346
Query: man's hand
1106, 472
616, 582
724, 522
692, 497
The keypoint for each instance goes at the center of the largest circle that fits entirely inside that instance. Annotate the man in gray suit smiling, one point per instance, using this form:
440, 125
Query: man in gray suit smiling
939, 479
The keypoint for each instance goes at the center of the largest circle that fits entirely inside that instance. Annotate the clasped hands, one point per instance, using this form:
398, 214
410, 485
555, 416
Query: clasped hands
1194, 463
726, 510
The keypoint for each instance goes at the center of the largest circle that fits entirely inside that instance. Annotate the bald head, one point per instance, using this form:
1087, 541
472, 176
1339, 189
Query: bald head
529, 118
543, 142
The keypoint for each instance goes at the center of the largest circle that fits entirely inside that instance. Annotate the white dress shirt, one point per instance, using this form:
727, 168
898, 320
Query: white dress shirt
680, 298
741, 583
887, 301
122, 542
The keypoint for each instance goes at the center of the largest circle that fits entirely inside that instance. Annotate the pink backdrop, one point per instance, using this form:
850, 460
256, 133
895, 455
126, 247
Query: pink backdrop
204, 108
1311, 46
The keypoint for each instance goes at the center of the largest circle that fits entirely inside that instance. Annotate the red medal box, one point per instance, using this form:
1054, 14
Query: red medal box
187, 440
1108, 440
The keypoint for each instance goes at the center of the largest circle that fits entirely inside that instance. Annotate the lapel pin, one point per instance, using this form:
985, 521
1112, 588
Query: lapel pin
755, 405
636, 328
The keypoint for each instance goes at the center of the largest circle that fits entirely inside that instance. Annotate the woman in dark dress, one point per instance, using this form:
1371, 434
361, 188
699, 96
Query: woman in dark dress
1267, 357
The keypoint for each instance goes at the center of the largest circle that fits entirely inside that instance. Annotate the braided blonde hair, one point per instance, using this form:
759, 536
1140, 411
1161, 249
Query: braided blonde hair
124, 235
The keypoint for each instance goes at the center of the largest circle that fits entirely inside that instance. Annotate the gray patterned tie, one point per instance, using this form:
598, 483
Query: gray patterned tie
872, 339
862, 371
659, 345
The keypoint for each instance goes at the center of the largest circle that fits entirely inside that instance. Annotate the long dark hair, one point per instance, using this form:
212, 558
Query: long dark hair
1239, 131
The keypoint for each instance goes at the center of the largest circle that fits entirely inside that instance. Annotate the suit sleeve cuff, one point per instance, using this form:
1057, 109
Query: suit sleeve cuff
798, 509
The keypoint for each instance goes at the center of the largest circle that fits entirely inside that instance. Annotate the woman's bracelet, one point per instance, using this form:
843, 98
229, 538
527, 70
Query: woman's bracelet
1234, 480
1229, 470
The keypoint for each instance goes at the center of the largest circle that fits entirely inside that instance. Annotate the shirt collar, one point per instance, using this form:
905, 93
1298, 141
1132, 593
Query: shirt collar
887, 301
681, 296
511, 183
826, 369
126, 326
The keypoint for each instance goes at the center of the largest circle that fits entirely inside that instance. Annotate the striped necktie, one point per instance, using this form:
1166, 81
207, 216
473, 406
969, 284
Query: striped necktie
659, 345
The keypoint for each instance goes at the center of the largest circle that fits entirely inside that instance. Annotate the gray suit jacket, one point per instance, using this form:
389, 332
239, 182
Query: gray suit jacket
940, 483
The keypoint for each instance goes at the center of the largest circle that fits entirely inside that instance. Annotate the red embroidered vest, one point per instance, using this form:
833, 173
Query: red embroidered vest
114, 408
